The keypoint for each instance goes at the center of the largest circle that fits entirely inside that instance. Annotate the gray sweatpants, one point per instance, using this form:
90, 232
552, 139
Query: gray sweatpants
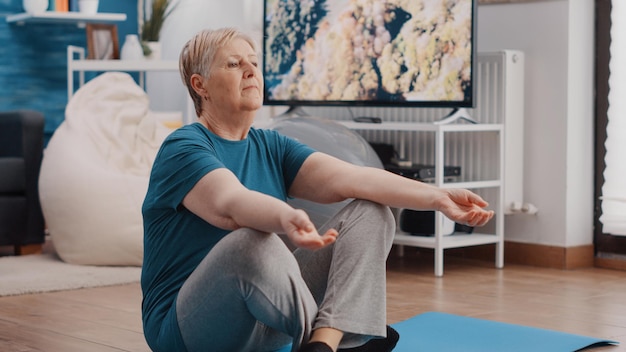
251, 293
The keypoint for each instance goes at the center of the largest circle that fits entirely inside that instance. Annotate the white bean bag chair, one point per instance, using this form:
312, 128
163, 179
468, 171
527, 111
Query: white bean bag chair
95, 172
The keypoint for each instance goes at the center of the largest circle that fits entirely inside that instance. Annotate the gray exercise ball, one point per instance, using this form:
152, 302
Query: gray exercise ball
328, 137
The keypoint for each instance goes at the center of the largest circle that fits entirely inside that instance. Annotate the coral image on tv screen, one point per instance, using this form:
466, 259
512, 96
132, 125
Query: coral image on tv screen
369, 52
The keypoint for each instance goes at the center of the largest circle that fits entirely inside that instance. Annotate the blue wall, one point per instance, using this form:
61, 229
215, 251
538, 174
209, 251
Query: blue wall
33, 59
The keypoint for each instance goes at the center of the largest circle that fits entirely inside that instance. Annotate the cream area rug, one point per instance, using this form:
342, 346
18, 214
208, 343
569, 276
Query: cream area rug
39, 273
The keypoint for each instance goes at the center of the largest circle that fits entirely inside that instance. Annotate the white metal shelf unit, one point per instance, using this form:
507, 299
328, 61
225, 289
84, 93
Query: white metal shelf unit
76, 63
439, 242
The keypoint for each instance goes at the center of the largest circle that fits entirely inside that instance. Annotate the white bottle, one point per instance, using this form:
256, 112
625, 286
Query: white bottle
131, 50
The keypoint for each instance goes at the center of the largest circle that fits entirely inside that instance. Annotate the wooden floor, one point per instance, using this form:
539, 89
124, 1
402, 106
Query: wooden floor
589, 302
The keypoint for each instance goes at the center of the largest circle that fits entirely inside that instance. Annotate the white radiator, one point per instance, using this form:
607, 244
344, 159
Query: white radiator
499, 99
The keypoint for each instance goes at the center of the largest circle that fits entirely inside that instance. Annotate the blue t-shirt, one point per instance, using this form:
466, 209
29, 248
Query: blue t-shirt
176, 240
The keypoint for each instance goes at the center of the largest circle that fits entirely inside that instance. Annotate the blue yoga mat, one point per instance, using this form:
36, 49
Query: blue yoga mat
442, 332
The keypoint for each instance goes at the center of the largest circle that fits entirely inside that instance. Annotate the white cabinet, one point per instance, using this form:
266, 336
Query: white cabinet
439, 242
77, 64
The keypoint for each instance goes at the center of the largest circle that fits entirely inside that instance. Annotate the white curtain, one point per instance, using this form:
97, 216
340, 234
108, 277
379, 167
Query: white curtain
614, 189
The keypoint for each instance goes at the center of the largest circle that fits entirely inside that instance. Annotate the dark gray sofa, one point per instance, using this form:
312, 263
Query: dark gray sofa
21, 152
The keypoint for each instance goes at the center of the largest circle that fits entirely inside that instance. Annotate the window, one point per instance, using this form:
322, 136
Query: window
613, 216
610, 184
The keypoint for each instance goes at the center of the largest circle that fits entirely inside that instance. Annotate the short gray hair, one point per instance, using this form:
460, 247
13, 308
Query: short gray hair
199, 52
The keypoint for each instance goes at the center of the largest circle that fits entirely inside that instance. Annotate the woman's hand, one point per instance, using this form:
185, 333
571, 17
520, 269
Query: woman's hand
464, 207
302, 233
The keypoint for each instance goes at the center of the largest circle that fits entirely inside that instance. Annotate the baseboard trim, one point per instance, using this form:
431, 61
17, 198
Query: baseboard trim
610, 263
534, 255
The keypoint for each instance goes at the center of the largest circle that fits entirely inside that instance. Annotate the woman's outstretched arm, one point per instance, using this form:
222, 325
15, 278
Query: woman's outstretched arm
325, 179
221, 200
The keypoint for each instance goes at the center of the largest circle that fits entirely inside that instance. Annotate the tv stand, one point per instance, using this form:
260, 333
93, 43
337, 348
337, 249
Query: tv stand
443, 137
455, 115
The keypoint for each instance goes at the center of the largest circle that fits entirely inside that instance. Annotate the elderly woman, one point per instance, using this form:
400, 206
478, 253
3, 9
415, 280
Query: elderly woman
216, 276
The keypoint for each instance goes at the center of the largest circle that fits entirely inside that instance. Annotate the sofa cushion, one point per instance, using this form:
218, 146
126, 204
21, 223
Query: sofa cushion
12, 177
12, 210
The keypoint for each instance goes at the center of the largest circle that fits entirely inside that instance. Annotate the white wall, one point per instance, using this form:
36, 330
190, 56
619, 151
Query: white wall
557, 39
581, 116
166, 90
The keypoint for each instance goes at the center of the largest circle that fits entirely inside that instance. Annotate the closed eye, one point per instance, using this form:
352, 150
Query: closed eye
236, 64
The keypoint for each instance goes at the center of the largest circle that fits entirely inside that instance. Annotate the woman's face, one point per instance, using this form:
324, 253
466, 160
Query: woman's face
236, 82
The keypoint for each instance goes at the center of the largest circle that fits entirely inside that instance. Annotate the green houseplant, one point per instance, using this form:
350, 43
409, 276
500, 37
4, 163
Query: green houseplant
153, 23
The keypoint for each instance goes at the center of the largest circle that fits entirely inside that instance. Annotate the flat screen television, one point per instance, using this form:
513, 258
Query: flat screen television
369, 53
